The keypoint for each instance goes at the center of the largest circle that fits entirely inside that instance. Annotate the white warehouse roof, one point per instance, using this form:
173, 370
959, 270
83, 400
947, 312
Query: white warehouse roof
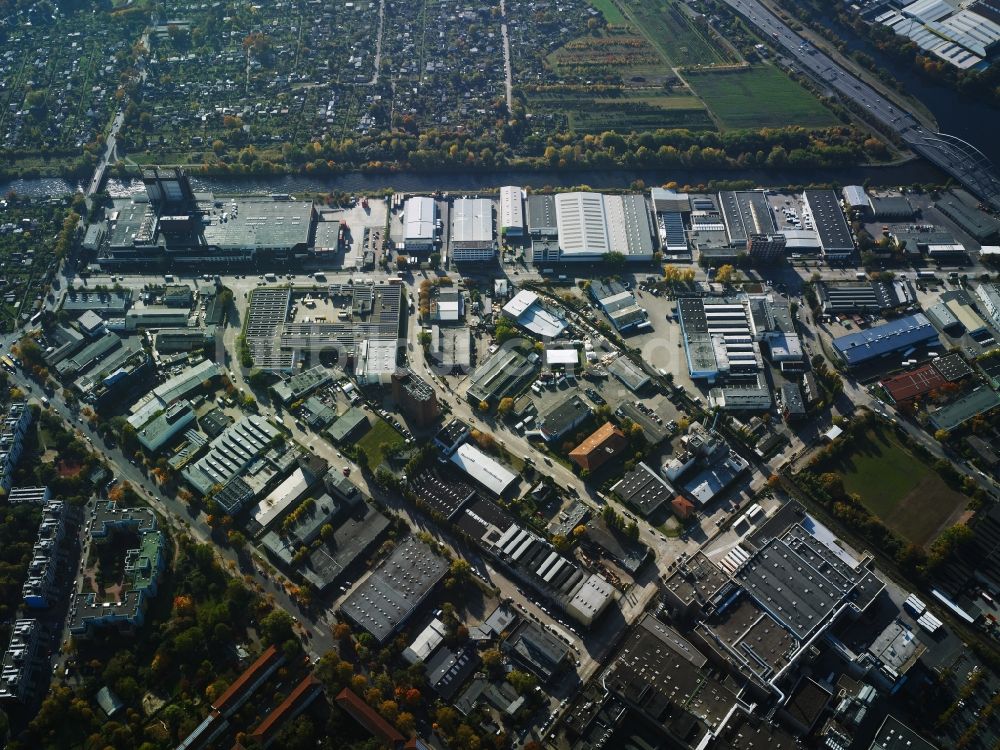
418, 218
582, 223
511, 208
472, 221
490, 473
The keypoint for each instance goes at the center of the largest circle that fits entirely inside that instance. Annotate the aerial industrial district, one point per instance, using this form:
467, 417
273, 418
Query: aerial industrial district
573, 470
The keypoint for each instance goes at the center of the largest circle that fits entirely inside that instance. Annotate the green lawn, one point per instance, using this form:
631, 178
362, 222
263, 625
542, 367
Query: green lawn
908, 496
758, 97
610, 12
380, 437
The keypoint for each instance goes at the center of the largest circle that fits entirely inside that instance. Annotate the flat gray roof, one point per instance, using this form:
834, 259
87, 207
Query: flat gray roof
260, 222
384, 601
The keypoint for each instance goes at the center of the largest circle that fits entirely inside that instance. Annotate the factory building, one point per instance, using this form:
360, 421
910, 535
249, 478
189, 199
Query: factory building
590, 225
171, 224
472, 230
835, 237
511, 211
419, 224
864, 346
746, 213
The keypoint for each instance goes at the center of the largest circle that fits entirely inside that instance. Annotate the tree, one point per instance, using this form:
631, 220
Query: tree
632, 531
484, 406
447, 719
614, 259
522, 682
579, 531
405, 722
460, 570
277, 627
236, 539
941, 435
505, 405
727, 274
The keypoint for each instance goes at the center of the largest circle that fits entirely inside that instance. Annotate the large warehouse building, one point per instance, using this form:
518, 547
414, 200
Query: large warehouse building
419, 232
591, 225
511, 211
834, 234
472, 230
880, 341
171, 224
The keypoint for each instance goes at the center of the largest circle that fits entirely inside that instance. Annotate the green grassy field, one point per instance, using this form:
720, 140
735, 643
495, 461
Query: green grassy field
676, 35
759, 97
909, 497
610, 12
641, 111
381, 436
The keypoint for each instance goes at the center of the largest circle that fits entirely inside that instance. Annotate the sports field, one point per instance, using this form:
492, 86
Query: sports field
758, 97
908, 496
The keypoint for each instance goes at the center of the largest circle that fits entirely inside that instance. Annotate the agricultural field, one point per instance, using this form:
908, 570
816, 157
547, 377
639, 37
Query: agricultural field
623, 111
683, 40
612, 14
909, 497
758, 97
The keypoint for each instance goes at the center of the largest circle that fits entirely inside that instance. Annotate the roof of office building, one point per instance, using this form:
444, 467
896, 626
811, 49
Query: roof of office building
182, 384
110, 304
603, 444
281, 499
302, 384
535, 648
395, 588
156, 433
746, 213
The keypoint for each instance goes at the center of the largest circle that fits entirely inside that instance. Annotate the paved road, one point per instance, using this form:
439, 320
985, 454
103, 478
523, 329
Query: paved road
109, 153
954, 157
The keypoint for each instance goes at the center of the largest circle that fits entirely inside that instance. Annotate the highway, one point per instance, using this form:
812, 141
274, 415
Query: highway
951, 155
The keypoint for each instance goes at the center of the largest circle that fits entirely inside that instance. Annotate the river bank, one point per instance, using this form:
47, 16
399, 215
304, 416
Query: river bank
906, 173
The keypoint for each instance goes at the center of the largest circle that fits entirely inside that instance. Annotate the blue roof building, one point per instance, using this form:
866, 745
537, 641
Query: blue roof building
879, 341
